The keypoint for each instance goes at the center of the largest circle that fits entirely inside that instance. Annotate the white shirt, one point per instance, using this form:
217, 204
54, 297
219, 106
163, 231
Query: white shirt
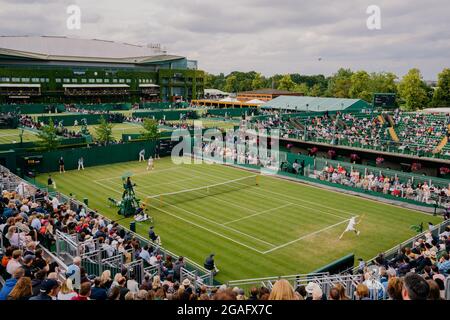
153, 261
352, 223
55, 203
66, 296
145, 255
133, 286
12, 266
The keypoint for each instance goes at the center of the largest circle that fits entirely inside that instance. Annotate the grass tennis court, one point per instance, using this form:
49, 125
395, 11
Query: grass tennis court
117, 130
274, 228
135, 128
12, 136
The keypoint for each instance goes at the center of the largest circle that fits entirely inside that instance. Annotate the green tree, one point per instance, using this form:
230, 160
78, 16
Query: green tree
286, 83
231, 84
258, 82
209, 80
340, 83
302, 88
383, 82
316, 91
48, 137
360, 86
441, 96
104, 131
413, 91
150, 129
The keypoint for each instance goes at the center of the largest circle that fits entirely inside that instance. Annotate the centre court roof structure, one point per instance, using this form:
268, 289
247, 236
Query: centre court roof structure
315, 104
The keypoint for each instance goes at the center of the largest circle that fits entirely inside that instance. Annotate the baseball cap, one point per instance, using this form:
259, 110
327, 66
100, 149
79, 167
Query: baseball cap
48, 284
28, 258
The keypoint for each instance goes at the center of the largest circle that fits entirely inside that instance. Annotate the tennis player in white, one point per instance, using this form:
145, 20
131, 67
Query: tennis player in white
142, 155
150, 164
351, 227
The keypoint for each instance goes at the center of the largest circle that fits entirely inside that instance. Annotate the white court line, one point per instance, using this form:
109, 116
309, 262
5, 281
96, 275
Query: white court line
305, 236
258, 213
295, 204
9, 135
284, 195
230, 203
221, 225
141, 173
211, 231
157, 184
199, 216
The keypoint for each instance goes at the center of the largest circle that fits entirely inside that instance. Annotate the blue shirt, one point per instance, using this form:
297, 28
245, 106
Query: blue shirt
444, 267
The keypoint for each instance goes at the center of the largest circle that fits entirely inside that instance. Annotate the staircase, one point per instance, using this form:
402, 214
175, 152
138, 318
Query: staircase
441, 145
393, 134
296, 124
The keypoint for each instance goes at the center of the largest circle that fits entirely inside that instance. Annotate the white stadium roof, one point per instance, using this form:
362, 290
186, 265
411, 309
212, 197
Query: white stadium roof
64, 48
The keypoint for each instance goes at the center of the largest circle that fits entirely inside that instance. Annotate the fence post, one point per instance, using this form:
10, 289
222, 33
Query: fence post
100, 264
57, 243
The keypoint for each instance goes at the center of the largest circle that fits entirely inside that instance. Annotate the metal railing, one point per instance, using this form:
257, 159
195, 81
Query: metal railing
435, 230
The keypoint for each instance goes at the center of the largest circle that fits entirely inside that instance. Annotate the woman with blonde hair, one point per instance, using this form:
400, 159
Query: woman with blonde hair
105, 279
67, 292
22, 290
156, 284
282, 290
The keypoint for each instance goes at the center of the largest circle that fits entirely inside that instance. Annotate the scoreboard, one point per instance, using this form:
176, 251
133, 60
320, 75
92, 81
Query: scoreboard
384, 101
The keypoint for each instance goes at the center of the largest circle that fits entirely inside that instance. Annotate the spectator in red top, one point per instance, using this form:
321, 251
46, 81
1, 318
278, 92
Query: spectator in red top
85, 292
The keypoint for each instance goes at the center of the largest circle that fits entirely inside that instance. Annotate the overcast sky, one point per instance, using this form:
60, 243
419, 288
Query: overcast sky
269, 36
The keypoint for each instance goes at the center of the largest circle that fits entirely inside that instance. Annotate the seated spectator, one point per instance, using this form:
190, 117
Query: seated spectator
11, 283
362, 292
394, 288
415, 287
67, 292
22, 290
282, 290
48, 291
85, 292
98, 292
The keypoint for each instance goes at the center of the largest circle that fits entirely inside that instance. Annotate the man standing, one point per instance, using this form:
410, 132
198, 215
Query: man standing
81, 164
73, 272
61, 165
142, 155
152, 235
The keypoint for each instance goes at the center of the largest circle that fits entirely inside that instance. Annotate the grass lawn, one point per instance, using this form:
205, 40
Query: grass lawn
12, 136
117, 130
275, 228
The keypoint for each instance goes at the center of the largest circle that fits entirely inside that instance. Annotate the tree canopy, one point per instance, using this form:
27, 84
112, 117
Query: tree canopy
48, 137
412, 92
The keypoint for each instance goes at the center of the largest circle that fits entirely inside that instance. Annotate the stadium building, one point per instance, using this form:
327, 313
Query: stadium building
61, 70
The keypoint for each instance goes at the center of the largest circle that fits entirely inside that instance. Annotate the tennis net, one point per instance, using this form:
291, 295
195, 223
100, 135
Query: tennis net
177, 197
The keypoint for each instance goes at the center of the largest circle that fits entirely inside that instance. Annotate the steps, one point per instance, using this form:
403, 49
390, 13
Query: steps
296, 124
441, 145
393, 134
